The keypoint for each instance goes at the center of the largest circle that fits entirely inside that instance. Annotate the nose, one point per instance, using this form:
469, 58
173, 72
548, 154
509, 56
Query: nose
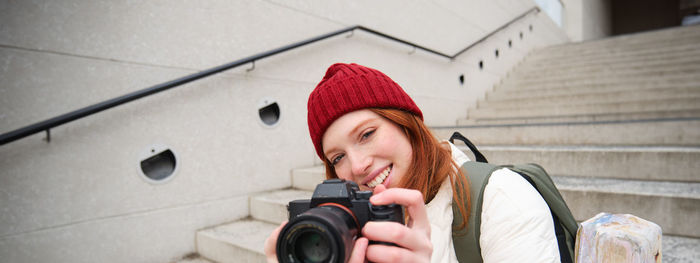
360, 164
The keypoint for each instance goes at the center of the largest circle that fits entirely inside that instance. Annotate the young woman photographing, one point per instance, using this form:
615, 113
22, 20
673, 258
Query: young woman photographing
366, 129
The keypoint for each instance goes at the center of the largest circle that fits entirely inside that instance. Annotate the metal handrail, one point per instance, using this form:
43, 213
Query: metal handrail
46, 125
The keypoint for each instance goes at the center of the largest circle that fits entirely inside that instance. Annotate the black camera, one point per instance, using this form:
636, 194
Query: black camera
324, 228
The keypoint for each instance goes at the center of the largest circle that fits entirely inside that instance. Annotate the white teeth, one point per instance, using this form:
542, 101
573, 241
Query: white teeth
380, 178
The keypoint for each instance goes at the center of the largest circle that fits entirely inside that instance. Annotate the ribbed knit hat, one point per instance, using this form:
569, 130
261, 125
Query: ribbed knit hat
350, 87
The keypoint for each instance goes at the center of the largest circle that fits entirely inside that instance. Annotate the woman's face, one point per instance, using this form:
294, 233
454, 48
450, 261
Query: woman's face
368, 149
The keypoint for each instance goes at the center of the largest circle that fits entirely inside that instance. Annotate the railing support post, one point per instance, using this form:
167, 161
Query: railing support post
252, 68
48, 136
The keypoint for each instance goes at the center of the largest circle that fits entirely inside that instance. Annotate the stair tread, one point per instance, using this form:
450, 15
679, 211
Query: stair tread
283, 196
597, 148
617, 116
626, 186
197, 259
644, 187
248, 234
676, 249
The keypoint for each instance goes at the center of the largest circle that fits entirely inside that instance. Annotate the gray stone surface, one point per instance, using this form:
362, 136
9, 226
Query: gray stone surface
656, 163
593, 98
649, 104
241, 241
194, 258
272, 206
612, 120
578, 118
677, 249
690, 190
308, 178
655, 132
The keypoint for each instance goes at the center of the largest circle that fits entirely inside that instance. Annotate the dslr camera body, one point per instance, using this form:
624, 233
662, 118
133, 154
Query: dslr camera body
325, 227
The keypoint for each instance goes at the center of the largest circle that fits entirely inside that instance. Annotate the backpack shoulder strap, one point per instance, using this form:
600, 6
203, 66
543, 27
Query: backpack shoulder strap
466, 241
565, 226
477, 154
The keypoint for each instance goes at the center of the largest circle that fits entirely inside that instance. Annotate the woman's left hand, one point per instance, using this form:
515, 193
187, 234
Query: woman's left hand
413, 239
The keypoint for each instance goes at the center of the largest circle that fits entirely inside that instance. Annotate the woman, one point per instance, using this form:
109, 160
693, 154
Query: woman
368, 130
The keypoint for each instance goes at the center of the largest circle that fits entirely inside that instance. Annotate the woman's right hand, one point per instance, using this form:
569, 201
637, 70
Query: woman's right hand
271, 244
412, 240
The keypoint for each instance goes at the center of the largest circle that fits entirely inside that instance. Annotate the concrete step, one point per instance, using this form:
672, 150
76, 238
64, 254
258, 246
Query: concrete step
240, 241
513, 110
308, 178
589, 48
194, 258
678, 249
550, 58
625, 43
653, 163
592, 97
672, 132
606, 117
648, 95
673, 206
272, 206
610, 66
551, 55
243, 241
630, 41
670, 35
605, 77
503, 92
584, 85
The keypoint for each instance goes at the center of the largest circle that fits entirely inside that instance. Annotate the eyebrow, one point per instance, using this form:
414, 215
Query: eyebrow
357, 127
353, 131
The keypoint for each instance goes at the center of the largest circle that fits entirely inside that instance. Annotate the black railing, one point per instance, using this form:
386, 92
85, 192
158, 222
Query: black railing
77, 114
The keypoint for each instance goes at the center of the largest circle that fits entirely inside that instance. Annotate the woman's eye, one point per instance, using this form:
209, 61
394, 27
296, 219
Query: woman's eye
367, 134
336, 159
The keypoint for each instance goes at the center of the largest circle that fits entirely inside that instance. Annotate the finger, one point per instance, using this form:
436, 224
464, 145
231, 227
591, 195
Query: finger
384, 253
392, 232
378, 189
271, 243
412, 200
358, 252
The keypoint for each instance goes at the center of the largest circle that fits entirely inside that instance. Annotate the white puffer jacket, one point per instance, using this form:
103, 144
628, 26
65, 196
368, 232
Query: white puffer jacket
516, 225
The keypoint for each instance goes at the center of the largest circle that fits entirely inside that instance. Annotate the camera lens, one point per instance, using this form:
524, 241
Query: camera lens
321, 234
312, 246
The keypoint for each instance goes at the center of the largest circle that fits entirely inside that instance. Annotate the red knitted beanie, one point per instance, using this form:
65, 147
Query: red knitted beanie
349, 87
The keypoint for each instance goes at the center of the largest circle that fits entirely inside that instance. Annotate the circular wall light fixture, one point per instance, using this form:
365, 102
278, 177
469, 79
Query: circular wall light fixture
157, 164
269, 112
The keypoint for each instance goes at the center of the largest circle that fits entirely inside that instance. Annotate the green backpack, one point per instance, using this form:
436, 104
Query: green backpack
466, 243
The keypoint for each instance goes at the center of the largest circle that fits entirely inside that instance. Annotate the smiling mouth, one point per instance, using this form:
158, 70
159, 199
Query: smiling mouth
380, 178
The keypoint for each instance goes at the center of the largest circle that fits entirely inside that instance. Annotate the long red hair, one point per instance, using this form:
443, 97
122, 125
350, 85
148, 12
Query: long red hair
431, 162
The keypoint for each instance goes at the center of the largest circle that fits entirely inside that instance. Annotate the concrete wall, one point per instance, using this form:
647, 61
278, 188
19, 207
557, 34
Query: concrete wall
598, 19
80, 198
588, 20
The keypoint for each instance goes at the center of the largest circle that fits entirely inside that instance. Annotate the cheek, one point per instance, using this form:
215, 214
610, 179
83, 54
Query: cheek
402, 150
342, 174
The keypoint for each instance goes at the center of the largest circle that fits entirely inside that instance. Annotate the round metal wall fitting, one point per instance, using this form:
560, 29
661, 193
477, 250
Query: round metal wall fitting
269, 112
157, 164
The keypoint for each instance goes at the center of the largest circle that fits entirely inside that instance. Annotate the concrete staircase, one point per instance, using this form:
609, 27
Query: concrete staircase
615, 121
243, 240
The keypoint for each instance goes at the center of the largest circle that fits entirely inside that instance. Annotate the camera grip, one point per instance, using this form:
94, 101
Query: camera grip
390, 213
